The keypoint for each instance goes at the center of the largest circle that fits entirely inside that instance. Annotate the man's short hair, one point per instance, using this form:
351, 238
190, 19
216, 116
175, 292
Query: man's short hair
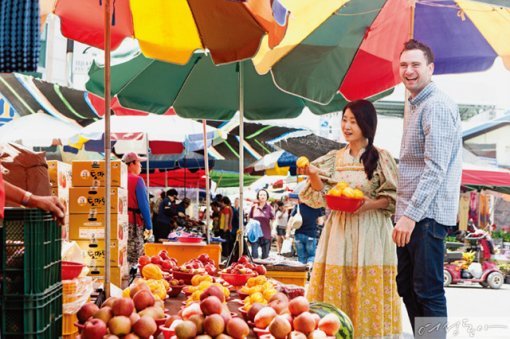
415, 44
172, 193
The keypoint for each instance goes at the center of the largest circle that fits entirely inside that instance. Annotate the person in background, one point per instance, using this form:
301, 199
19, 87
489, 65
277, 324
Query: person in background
215, 218
305, 237
430, 169
356, 262
226, 219
167, 212
281, 219
138, 208
155, 209
263, 213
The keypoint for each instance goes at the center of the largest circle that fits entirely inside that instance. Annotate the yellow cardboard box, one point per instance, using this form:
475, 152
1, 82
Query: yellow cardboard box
95, 252
116, 274
59, 173
86, 227
92, 173
93, 200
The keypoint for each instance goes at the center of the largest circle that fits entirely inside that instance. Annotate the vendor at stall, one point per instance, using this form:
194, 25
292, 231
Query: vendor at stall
138, 208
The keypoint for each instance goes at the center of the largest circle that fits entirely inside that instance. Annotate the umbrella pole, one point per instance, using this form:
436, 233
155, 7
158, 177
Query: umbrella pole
207, 186
107, 145
148, 172
241, 159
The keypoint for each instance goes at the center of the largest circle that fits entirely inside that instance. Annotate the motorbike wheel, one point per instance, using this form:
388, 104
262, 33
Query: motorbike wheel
447, 278
495, 280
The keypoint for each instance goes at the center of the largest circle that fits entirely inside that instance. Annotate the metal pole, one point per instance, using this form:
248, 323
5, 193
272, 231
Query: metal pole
107, 145
207, 187
148, 171
241, 159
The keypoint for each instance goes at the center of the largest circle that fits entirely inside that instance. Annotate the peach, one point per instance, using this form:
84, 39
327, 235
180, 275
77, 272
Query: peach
264, 317
238, 328
211, 305
298, 305
214, 325
330, 324
279, 306
317, 334
304, 322
280, 327
297, 335
254, 309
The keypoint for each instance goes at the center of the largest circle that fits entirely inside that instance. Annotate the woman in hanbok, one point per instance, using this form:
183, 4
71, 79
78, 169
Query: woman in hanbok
356, 263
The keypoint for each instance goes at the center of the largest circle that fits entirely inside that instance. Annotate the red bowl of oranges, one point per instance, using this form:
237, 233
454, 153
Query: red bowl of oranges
344, 198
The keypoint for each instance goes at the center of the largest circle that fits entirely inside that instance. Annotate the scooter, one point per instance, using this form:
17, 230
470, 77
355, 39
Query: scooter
482, 270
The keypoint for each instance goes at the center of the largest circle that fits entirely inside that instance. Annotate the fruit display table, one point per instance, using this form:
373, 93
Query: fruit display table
296, 275
185, 251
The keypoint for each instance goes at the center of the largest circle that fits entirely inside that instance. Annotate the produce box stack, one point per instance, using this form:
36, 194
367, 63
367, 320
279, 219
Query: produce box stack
60, 180
30, 271
87, 216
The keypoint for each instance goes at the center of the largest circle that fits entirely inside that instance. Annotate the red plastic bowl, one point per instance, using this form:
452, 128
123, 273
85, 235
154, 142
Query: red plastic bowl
194, 240
159, 323
167, 332
236, 279
175, 290
343, 204
71, 270
261, 331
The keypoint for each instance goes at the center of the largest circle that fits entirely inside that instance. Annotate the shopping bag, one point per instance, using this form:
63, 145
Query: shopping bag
286, 246
296, 220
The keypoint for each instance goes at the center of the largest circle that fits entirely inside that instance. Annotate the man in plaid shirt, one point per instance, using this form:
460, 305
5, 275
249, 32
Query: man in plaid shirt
428, 188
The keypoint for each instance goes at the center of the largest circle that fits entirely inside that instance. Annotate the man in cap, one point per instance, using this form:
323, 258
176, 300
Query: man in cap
138, 208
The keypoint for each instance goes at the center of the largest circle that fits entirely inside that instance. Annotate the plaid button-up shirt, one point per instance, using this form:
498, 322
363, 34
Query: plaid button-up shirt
430, 164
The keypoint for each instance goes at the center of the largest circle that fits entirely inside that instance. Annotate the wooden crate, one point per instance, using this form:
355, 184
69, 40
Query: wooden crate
289, 277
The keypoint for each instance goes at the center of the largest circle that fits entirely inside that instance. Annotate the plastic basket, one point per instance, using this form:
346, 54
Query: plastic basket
31, 252
68, 321
36, 316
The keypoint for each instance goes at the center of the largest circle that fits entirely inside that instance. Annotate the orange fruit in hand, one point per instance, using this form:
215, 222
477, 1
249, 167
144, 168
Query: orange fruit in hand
335, 191
348, 192
358, 194
302, 162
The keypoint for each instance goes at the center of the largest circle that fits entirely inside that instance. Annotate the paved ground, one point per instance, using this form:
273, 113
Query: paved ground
472, 301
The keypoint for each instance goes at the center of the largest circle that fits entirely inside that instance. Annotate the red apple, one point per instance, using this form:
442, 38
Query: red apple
163, 254
123, 306
86, 311
156, 260
94, 329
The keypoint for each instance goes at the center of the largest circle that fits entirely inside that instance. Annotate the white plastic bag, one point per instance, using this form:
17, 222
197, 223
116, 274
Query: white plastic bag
286, 246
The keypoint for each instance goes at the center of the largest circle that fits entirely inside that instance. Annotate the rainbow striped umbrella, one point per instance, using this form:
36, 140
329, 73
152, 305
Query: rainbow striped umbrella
356, 50
172, 30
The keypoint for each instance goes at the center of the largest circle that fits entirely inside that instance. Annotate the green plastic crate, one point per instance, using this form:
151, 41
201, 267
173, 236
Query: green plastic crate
31, 252
36, 316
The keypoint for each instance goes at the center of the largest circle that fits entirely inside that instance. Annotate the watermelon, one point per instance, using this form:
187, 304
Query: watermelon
346, 330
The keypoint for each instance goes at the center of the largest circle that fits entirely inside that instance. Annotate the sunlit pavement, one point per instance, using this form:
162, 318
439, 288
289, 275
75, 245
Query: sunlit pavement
471, 301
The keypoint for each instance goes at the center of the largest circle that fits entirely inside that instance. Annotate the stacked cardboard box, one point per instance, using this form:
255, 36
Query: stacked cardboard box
60, 179
87, 201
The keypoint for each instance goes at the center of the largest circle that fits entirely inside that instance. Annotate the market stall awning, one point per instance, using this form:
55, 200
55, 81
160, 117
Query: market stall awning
475, 175
177, 178
27, 95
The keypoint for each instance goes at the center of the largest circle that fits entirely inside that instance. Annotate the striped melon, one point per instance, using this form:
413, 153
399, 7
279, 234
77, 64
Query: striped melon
346, 330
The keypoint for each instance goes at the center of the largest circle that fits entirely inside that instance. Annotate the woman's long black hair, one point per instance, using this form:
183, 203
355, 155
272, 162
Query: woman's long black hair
366, 118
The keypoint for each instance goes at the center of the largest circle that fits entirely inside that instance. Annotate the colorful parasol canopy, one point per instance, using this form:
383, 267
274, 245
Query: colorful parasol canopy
356, 50
172, 30
200, 89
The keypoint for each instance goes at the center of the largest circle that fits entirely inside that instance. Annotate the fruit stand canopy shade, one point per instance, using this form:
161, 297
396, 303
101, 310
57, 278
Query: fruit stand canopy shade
473, 175
28, 95
357, 49
199, 90
173, 30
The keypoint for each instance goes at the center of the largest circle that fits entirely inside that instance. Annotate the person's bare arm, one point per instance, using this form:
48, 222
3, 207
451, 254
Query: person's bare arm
19, 196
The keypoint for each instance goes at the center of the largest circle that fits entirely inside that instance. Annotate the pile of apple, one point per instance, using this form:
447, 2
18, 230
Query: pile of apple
202, 264
166, 263
244, 266
282, 318
130, 318
210, 318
